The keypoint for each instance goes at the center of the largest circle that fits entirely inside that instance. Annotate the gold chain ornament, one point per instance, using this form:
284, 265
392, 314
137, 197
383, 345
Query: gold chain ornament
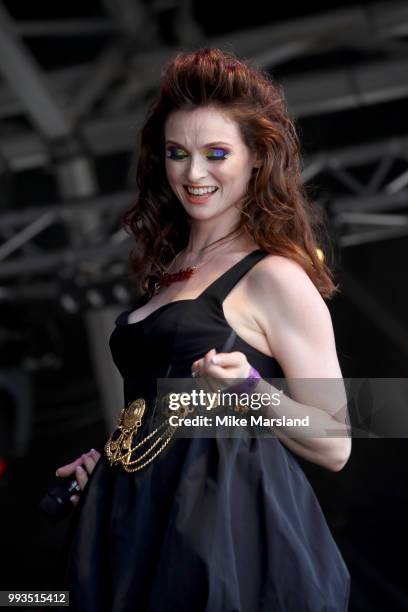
119, 449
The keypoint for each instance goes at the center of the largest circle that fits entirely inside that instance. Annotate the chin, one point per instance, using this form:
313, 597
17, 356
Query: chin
193, 213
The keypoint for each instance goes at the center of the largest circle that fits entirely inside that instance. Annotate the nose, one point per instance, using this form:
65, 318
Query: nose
196, 169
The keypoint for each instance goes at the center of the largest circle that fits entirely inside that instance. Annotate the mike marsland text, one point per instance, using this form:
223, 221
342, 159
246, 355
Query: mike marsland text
235, 421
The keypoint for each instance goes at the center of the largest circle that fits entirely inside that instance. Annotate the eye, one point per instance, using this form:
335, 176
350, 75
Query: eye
218, 154
175, 153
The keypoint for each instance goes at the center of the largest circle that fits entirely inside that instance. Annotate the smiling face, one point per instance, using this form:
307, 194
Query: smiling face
204, 149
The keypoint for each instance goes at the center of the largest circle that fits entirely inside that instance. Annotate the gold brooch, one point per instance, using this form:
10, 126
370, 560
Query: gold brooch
119, 449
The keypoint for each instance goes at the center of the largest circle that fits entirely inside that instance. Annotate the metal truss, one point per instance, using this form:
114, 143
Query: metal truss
365, 210
120, 80
68, 118
94, 251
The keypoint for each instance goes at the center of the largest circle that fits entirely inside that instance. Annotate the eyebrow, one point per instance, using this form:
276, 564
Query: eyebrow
209, 144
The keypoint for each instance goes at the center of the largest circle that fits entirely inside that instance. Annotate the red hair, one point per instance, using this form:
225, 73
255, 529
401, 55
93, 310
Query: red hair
276, 212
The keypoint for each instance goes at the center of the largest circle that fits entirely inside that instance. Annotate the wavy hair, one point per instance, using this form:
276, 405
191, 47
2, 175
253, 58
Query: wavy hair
275, 211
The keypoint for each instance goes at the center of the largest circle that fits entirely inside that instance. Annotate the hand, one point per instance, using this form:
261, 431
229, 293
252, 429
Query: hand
222, 365
80, 468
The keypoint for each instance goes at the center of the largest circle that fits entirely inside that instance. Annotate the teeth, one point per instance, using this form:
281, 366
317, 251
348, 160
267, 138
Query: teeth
201, 190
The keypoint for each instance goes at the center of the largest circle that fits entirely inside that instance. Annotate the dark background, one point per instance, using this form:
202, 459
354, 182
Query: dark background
366, 503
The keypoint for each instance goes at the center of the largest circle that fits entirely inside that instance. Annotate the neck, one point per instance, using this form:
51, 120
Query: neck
204, 234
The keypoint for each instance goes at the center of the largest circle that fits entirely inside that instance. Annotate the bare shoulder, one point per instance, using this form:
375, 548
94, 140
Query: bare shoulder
274, 267
280, 287
282, 274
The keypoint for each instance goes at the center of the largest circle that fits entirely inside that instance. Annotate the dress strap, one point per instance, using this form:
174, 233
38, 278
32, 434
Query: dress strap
220, 288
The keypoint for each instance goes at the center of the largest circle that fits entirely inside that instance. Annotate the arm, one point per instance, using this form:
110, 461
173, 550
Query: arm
297, 325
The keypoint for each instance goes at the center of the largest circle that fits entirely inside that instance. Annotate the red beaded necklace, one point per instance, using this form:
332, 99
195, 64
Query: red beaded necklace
167, 278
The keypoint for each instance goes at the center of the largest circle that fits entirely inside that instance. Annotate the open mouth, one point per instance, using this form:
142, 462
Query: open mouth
206, 194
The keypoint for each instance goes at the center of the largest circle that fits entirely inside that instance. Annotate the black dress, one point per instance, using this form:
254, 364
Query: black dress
212, 524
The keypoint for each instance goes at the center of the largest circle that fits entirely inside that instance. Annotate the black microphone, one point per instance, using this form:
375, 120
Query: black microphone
56, 503
228, 344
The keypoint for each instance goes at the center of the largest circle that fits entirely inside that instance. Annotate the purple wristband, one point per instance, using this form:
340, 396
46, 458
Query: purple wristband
248, 384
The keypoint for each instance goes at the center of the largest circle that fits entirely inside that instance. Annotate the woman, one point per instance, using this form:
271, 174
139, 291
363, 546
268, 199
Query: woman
227, 240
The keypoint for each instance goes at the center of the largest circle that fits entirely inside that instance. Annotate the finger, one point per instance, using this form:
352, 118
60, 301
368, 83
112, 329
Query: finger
74, 499
227, 368
197, 366
205, 368
211, 373
234, 365
208, 358
81, 477
215, 363
89, 462
200, 363
69, 468
94, 454
234, 359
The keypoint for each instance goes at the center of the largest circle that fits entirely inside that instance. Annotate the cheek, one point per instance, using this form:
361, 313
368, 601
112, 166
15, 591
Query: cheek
174, 172
226, 177
235, 181
235, 176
